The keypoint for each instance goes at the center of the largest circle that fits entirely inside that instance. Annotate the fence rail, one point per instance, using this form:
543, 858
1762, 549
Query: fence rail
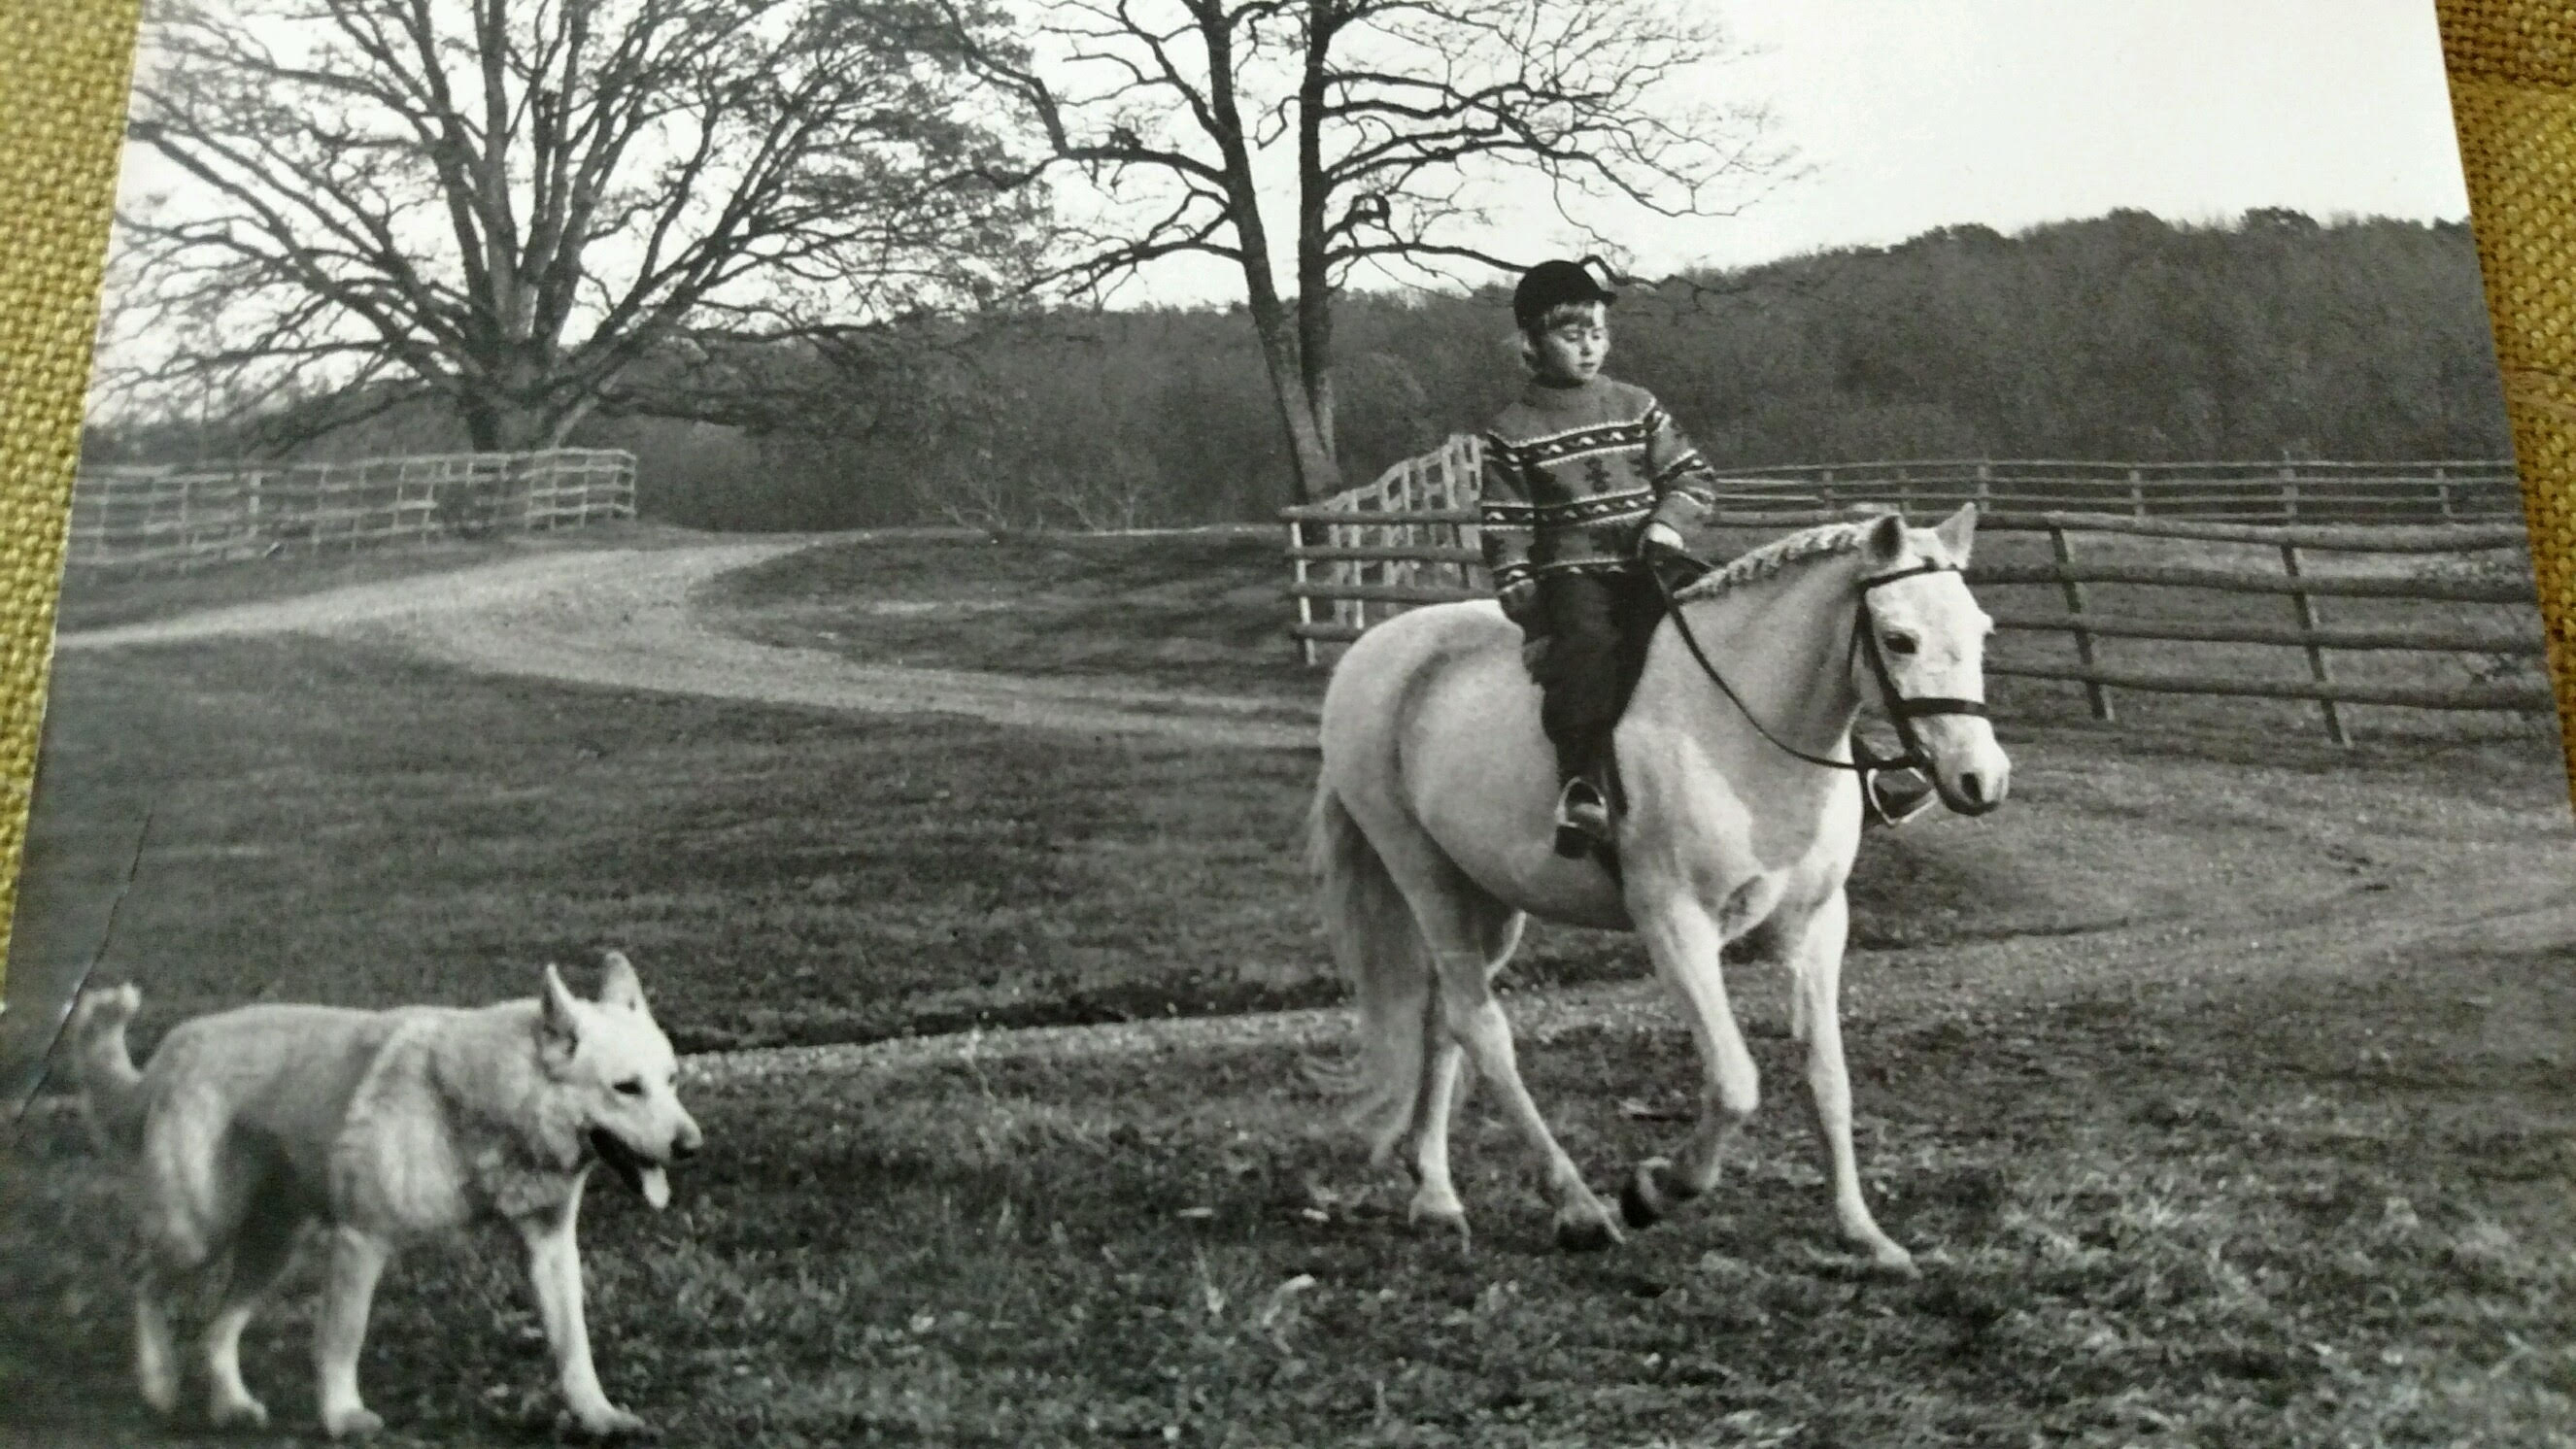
2284, 492
1410, 538
180, 518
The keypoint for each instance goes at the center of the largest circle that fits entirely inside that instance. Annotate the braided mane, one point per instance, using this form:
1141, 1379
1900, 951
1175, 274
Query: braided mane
1822, 541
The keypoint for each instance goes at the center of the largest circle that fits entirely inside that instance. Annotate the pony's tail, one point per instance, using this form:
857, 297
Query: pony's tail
111, 1089
1380, 951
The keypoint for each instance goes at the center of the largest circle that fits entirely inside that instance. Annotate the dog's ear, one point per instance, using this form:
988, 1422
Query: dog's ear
560, 1020
618, 985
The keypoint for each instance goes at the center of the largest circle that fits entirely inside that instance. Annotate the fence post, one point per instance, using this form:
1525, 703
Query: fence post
2442, 489
2290, 492
1466, 490
2307, 611
1305, 605
2137, 494
1986, 486
187, 540
2095, 693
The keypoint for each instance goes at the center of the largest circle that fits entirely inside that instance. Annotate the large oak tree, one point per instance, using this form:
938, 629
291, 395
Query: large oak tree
507, 205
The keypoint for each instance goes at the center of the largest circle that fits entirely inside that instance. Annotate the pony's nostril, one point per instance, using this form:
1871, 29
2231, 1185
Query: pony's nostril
1971, 788
684, 1149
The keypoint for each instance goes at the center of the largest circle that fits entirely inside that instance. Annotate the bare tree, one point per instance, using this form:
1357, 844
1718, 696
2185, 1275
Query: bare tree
1408, 122
508, 204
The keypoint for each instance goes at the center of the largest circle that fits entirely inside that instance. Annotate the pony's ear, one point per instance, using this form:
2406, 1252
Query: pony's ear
1958, 533
618, 985
1887, 539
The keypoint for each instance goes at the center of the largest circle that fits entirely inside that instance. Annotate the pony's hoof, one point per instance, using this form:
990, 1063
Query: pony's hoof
1585, 1235
351, 1423
1643, 1200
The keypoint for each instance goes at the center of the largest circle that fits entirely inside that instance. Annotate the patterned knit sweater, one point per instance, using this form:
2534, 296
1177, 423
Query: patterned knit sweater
1574, 474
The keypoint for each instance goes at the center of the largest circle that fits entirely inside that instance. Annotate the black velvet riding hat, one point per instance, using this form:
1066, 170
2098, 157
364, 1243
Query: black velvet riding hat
1555, 284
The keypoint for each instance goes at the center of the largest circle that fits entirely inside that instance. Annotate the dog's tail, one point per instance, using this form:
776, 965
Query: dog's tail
111, 1089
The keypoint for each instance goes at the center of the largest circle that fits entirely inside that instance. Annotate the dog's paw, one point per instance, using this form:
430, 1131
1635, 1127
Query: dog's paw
244, 1412
350, 1423
611, 1422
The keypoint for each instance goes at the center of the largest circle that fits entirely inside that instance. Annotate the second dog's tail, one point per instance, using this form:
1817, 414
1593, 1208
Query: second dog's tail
111, 1089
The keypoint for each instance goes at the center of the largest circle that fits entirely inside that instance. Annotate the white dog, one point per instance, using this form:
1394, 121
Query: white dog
379, 1126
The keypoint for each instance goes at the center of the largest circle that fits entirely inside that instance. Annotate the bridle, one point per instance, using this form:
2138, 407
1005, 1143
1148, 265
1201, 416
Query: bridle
1903, 710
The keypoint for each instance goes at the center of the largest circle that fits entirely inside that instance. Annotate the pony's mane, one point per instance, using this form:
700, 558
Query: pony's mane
1822, 541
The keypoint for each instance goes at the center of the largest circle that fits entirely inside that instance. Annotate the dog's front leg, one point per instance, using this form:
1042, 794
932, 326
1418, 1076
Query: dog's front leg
357, 1260
554, 1269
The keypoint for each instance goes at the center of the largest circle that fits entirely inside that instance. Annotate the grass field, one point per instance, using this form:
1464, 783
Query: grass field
2311, 1209
1199, 611
331, 822
2242, 1198
327, 821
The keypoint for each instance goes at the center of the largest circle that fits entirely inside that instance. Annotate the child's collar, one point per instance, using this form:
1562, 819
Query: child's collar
1547, 392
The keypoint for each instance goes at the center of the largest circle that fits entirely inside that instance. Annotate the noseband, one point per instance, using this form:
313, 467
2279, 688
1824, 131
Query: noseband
1902, 709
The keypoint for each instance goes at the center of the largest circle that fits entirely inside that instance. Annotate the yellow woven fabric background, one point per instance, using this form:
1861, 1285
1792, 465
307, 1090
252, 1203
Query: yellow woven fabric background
63, 72
2513, 92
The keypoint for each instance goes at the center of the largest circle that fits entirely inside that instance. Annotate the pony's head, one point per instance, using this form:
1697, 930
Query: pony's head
1922, 654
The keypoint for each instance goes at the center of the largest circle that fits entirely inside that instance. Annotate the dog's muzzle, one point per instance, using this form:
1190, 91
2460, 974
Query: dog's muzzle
641, 1173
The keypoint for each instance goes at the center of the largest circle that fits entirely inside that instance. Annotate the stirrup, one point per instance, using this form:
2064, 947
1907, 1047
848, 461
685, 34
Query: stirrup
1892, 797
1582, 818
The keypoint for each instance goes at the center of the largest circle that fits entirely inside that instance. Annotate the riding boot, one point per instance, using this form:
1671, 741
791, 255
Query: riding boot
1891, 798
1583, 814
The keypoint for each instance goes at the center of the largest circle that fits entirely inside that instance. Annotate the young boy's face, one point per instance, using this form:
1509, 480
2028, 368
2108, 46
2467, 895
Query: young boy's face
1571, 342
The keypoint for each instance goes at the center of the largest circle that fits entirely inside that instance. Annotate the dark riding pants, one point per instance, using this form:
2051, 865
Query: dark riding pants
1595, 627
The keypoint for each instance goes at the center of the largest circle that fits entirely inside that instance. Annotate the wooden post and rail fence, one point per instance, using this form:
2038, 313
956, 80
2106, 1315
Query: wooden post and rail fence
1410, 538
181, 518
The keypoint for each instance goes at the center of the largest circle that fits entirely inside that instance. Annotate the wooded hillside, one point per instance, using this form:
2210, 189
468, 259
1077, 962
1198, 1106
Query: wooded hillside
2122, 336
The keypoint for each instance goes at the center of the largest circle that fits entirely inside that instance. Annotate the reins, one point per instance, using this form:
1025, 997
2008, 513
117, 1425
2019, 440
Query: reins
1902, 709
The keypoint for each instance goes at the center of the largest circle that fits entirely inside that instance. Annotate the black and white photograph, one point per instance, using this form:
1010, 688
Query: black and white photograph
1293, 722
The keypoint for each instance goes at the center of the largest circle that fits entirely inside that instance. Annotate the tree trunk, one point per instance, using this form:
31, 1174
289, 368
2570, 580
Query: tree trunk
1314, 272
496, 426
473, 509
1309, 441
1309, 449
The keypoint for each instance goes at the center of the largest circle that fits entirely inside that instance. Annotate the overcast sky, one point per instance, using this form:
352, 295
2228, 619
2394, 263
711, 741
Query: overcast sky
1920, 113
1915, 114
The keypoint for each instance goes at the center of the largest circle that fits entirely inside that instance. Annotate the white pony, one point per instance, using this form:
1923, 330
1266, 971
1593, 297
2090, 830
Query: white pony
1432, 841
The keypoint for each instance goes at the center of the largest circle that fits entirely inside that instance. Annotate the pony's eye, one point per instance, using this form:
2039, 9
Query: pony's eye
631, 1087
1899, 643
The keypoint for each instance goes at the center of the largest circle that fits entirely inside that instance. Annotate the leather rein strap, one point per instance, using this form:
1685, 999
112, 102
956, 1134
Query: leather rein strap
1902, 709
